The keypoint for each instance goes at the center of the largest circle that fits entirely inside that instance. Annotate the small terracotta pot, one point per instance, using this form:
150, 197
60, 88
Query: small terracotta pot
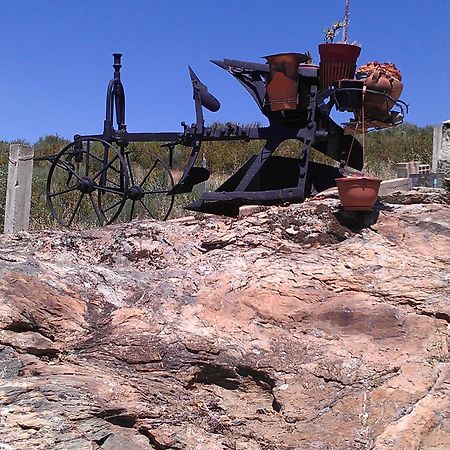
358, 193
337, 62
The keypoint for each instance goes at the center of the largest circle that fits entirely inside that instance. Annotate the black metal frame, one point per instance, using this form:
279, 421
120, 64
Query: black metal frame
312, 126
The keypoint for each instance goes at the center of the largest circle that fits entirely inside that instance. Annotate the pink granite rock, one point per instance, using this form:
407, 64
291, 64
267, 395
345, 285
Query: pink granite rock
282, 329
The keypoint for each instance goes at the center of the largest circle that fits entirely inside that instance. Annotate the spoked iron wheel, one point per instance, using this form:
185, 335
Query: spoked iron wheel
150, 182
87, 184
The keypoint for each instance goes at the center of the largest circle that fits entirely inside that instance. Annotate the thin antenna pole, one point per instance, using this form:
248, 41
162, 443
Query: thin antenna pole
346, 22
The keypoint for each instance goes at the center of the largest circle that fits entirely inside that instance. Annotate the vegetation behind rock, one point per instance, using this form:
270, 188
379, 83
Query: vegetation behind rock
384, 149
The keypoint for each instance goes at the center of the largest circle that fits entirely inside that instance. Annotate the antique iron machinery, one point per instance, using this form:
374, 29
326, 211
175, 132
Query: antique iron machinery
95, 180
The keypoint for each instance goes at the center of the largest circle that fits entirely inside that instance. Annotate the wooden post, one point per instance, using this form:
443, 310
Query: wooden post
18, 190
437, 143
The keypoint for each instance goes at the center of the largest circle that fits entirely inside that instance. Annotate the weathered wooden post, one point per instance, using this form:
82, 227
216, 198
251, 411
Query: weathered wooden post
441, 149
18, 190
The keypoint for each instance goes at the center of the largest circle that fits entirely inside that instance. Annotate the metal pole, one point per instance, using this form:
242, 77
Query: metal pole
346, 22
18, 190
204, 165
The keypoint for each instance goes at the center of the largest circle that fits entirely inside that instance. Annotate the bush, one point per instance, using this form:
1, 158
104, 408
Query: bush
384, 149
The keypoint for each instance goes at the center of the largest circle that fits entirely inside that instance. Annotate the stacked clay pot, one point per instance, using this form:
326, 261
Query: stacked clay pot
381, 77
282, 87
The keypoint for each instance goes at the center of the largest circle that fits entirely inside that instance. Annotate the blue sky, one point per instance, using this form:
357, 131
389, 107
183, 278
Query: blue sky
56, 56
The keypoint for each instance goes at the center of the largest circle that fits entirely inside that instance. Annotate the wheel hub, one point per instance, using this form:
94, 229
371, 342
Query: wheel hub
135, 193
86, 185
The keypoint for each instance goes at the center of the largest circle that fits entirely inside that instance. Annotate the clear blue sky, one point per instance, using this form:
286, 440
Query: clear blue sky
56, 56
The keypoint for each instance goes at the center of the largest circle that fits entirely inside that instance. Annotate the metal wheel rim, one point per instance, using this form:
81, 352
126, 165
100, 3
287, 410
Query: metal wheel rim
161, 190
95, 196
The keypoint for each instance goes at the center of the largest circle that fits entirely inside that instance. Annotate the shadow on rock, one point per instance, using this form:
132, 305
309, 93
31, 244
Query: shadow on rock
357, 220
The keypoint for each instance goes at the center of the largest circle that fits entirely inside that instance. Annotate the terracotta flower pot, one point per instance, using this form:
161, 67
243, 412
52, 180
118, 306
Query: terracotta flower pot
337, 62
282, 86
384, 78
358, 193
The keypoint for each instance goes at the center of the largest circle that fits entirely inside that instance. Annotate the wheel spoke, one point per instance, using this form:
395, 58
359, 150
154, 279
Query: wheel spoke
112, 206
145, 207
109, 189
113, 182
88, 152
108, 166
130, 171
149, 172
68, 168
155, 192
60, 165
132, 210
100, 216
75, 210
63, 192
97, 158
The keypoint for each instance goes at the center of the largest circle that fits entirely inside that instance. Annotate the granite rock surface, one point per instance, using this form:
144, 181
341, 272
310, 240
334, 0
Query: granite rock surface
299, 327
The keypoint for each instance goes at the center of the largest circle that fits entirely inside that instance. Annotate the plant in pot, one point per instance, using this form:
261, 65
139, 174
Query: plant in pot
384, 78
337, 60
282, 81
359, 192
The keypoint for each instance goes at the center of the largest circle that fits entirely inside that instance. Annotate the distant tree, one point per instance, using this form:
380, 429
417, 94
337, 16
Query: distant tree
407, 142
49, 145
384, 149
4, 151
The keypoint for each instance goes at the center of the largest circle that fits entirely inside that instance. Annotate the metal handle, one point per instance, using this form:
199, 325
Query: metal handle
117, 64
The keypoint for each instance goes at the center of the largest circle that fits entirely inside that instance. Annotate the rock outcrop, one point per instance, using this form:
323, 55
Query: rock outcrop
292, 328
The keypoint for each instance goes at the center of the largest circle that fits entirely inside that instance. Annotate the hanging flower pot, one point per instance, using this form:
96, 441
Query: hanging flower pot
358, 193
348, 95
384, 78
282, 85
361, 192
337, 62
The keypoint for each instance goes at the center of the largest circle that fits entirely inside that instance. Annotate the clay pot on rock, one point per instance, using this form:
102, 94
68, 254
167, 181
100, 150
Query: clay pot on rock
358, 193
337, 62
282, 85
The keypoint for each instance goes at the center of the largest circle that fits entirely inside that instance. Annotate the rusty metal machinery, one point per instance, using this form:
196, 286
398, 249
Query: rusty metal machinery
95, 180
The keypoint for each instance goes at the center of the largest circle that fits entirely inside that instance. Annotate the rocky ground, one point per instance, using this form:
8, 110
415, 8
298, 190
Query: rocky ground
291, 328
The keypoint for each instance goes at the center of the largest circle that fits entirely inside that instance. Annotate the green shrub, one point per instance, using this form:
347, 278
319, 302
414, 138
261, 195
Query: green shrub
384, 149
